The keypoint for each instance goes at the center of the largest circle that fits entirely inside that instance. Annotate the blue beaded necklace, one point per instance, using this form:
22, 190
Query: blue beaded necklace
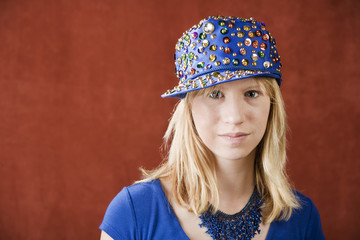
239, 226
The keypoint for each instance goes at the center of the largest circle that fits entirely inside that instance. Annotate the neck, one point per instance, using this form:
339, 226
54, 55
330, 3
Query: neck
236, 181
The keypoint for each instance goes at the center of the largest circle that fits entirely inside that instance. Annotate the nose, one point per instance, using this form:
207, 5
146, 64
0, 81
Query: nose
234, 111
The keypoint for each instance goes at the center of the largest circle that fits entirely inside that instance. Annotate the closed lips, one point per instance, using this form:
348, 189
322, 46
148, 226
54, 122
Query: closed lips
234, 135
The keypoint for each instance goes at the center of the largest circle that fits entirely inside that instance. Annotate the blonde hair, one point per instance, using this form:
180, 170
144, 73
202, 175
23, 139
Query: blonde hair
190, 164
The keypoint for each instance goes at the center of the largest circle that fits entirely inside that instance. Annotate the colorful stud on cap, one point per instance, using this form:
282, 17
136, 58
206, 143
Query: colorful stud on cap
238, 48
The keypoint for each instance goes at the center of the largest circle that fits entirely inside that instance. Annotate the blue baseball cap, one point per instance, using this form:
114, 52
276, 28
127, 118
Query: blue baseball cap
223, 49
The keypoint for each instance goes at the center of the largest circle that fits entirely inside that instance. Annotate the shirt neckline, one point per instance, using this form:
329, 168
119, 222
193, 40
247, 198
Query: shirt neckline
176, 220
171, 211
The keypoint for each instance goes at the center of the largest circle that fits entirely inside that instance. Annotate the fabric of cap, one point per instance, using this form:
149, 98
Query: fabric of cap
222, 49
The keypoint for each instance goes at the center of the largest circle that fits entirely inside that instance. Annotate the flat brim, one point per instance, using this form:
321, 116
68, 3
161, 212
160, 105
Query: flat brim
215, 78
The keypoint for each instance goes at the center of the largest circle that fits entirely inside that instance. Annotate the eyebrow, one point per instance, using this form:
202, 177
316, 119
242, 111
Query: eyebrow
210, 89
257, 86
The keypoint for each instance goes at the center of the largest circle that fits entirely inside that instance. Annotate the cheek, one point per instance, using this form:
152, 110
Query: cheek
204, 117
200, 117
262, 117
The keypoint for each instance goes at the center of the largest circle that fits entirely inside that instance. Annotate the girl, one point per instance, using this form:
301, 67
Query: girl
224, 174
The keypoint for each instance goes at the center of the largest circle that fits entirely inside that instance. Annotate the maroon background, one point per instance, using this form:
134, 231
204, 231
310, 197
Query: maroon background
80, 106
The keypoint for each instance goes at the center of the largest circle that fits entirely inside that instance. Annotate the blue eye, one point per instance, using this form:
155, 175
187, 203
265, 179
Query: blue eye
252, 94
216, 94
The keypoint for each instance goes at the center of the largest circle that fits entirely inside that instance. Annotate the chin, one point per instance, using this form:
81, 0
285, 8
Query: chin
234, 156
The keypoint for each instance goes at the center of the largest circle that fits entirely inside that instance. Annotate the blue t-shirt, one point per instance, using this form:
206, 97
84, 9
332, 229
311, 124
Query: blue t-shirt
142, 211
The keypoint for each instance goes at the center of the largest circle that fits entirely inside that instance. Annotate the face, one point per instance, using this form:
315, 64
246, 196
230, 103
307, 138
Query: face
231, 119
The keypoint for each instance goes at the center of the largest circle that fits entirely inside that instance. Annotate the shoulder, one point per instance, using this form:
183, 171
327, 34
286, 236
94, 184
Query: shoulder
145, 196
306, 205
304, 222
128, 212
307, 212
129, 197
143, 190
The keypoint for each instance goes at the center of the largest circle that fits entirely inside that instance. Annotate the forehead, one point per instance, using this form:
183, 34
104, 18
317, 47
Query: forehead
241, 83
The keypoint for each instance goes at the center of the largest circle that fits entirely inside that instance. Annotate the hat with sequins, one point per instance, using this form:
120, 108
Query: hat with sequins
222, 49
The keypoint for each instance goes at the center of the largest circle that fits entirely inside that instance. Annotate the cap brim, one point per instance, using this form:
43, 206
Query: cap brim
215, 78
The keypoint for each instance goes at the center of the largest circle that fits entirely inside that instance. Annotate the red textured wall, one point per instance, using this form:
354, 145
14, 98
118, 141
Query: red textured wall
80, 106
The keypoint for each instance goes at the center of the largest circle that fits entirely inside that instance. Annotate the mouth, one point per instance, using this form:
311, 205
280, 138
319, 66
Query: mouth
234, 137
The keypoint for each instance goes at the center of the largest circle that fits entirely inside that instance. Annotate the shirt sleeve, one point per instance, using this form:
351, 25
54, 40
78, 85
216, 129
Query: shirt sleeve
120, 221
304, 223
314, 229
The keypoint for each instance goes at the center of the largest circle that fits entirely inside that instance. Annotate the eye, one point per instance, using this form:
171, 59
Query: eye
252, 94
216, 94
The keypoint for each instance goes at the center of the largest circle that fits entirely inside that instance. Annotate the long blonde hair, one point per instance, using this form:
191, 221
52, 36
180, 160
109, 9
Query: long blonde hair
189, 164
